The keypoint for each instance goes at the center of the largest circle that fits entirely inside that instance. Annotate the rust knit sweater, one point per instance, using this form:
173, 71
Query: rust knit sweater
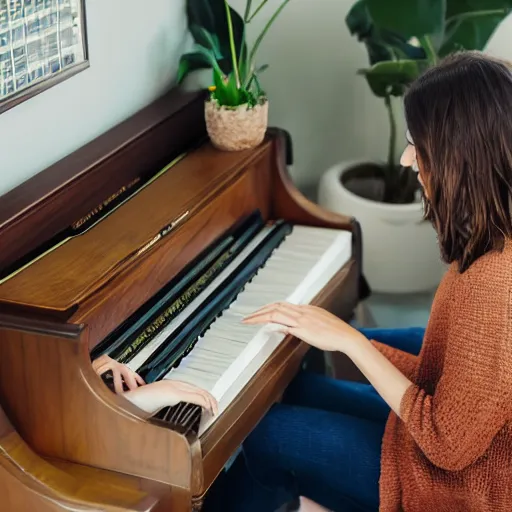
451, 448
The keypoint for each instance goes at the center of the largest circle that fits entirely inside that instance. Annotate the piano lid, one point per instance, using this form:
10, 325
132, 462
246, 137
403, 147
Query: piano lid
73, 269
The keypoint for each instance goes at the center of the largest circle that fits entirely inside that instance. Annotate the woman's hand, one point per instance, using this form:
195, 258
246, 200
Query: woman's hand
311, 324
120, 373
157, 395
319, 328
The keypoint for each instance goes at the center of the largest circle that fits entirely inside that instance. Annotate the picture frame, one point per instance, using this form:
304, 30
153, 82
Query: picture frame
42, 43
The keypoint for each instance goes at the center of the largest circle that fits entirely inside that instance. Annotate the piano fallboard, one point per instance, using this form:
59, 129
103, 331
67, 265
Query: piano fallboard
67, 275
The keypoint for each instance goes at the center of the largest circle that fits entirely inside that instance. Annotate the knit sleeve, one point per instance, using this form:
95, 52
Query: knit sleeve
455, 424
404, 361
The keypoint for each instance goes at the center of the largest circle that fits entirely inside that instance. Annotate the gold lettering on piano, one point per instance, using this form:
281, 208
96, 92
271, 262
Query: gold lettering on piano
168, 314
105, 203
91, 214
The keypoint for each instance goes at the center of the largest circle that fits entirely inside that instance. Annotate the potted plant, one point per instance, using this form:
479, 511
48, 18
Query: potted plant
236, 111
402, 38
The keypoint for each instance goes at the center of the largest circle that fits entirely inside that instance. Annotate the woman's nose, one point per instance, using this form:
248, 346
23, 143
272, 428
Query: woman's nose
408, 156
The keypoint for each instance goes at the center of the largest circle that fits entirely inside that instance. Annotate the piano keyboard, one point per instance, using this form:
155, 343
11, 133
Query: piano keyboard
206, 344
230, 353
296, 271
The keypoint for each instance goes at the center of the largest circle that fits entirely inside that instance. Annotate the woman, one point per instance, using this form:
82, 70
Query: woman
446, 444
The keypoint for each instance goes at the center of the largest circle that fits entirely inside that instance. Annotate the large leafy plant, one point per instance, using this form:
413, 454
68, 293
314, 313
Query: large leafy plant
403, 38
219, 34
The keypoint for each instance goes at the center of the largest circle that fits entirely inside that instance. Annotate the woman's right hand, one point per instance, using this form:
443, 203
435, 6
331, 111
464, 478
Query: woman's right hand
157, 395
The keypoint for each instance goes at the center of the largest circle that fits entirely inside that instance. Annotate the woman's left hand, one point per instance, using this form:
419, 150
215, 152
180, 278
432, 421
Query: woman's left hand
311, 324
120, 372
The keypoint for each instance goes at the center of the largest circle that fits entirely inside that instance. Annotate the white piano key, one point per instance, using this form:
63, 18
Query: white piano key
287, 276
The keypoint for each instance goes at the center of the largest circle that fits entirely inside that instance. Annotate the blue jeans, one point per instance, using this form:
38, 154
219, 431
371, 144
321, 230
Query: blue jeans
323, 442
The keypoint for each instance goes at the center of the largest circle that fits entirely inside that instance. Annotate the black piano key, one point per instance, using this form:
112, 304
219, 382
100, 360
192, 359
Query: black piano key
117, 345
183, 416
139, 335
182, 340
187, 417
108, 379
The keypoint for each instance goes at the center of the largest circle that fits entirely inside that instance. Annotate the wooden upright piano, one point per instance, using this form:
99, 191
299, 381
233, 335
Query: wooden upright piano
103, 251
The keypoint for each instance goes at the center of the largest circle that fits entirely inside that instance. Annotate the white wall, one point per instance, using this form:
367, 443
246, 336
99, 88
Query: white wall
312, 84
314, 90
134, 49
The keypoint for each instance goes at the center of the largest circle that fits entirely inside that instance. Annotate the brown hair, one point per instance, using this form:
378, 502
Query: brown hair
459, 114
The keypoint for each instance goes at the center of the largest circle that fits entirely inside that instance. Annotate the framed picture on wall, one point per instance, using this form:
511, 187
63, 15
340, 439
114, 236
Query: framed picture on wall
42, 42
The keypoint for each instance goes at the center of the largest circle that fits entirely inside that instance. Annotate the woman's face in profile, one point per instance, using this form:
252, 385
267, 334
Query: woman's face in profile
410, 159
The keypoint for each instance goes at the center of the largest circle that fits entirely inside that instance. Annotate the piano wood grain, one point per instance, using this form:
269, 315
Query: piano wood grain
75, 271
45, 204
29, 482
63, 410
87, 439
239, 195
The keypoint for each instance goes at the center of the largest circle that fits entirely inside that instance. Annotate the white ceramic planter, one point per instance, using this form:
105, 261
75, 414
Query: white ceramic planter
400, 249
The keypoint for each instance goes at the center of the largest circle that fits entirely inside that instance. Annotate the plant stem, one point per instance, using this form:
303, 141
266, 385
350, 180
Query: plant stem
232, 44
265, 30
258, 9
247, 10
392, 134
476, 14
453, 23
427, 45
258, 85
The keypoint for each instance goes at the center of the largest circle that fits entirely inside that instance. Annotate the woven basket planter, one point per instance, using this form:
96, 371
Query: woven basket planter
235, 129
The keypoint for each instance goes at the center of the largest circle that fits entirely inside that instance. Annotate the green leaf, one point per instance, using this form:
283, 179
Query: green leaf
261, 69
243, 63
456, 7
408, 17
392, 77
227, 92
206, 39
192, 62
381, 44
470, 35
358, 19
210, 15
252, 81
209, 55
471, 23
